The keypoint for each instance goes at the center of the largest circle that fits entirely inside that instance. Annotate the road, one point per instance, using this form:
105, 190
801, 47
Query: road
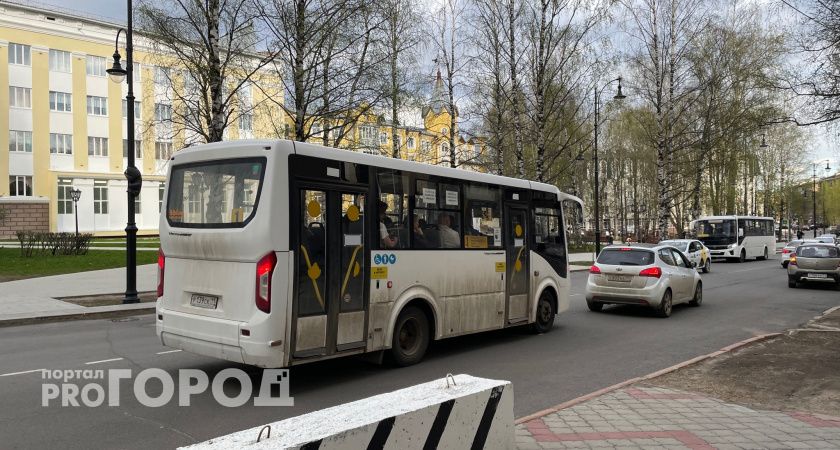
584, 352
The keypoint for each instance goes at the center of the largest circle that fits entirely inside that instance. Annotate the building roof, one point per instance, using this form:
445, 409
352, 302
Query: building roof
439, 100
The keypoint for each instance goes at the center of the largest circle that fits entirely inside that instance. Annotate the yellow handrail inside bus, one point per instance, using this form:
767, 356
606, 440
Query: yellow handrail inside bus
309, 268
349, 269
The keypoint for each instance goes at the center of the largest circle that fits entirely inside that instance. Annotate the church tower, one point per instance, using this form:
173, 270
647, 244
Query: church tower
436, 115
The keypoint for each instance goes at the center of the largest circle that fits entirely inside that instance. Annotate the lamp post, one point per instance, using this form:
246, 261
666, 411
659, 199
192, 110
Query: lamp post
618, 96
132, 174
76, 194
814, 176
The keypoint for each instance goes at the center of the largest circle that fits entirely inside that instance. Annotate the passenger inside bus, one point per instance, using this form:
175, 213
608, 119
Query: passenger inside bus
449, 238
388, 241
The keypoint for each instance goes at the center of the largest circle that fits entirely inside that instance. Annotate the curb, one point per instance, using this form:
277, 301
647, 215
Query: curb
143, 308
624, 383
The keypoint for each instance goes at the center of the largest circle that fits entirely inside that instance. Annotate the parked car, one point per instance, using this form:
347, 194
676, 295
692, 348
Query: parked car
694, 250
814, 262
654, 275
789, 248
827, 238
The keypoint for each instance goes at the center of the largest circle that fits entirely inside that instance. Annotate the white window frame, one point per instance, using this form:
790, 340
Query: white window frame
26, 180
100, 196
61, 144
138, 148
61, 61
137, 110
163, 150
409, 142
64, 199
62, 99
383, 138
163, 75
20, 97
161, 190
246, 122
96, 66
20, 54
97, 146
97, 106
163, 112
20, 141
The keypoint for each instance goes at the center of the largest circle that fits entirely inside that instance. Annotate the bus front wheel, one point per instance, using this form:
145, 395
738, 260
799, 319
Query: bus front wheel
411, 337
545, 314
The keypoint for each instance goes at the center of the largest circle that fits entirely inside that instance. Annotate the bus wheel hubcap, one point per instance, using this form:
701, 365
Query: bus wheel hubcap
408, 336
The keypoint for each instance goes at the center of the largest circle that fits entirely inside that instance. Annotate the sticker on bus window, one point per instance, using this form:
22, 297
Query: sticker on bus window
518, 242
475, 241
497, 235
378, 273
500, 267
429, 196
451, 198
352, 239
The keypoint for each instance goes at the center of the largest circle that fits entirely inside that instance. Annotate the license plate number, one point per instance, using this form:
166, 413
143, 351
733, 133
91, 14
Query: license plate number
204, 301
817, 275
621, 278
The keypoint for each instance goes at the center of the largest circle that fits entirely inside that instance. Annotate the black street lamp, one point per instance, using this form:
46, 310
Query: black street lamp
618, 96
76, 194
132, 174
814, 168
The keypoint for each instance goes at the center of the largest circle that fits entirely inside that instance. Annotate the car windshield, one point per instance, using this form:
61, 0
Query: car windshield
818, 251
625, 257
680, 245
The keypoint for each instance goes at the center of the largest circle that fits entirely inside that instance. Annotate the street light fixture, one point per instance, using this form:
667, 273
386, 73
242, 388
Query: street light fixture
618, 96
76, 194
135, 181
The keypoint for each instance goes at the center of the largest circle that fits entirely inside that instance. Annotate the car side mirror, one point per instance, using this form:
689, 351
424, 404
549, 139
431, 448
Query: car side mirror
693, 265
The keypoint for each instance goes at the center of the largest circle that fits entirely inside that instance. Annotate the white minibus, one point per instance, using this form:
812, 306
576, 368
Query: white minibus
277, 253
737, 237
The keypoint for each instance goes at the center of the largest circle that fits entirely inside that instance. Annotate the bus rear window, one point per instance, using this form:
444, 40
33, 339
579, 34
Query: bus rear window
618, 257
214, 194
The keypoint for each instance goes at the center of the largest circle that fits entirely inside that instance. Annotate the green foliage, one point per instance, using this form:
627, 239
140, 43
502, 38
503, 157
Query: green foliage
53, 244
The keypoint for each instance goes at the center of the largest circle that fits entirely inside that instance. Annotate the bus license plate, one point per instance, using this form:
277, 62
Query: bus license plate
622, 278
204, 301
817, 275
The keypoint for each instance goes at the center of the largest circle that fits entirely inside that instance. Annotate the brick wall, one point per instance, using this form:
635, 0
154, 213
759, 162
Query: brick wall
31, 215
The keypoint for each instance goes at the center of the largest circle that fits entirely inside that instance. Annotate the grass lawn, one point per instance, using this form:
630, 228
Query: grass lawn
13, 266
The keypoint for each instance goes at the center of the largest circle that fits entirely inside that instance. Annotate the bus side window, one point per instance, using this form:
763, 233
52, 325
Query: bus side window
392, 209
483, 227
549, 237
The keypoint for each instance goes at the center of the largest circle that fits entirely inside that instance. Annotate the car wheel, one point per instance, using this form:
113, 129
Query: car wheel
545, 315
666, 305
411, 337
791, 282
784, 265
698, 295
708, 266
743, 256
595, 306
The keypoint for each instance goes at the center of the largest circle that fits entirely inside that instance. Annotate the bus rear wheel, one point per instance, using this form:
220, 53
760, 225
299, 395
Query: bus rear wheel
743, 256
545, 314
411, 337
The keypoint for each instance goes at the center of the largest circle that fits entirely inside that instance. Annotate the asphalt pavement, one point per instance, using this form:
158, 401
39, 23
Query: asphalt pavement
584, 352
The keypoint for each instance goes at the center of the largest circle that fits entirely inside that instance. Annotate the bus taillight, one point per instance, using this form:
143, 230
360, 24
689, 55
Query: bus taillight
265, 268
161, 265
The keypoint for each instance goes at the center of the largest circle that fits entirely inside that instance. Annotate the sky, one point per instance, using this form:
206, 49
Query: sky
824, 141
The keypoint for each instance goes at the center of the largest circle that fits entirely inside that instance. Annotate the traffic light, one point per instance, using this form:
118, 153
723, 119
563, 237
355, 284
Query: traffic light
135, 180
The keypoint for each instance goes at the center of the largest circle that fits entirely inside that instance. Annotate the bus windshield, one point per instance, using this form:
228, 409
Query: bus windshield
716, 231
214, 194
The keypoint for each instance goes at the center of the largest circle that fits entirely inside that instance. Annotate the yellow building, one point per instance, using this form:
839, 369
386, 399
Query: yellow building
63, 125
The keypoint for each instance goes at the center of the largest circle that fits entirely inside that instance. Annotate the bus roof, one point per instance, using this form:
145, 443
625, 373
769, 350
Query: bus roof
320, 151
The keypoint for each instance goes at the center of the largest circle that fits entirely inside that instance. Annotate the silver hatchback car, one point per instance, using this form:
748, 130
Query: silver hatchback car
658, 276
814, 262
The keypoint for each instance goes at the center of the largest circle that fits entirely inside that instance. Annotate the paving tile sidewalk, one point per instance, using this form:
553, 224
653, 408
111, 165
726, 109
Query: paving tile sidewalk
637, 417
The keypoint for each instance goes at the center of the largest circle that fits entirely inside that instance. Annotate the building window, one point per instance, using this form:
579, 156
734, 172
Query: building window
60, 61
163, 150
65, 198
161, 190
383, 138
97, 106
367, 134
137, 204
476, 150
163, 112
426, 146
161, 75
20, 186
60, 101
61, 144
20, 54
20, 141
444, 131
245, 122
398, 141
20, 97
138, 149
137, 110
410, 142
96, 66
100, 196
97, 146
136, 72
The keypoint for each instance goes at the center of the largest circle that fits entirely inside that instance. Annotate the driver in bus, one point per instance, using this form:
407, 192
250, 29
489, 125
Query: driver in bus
387, 240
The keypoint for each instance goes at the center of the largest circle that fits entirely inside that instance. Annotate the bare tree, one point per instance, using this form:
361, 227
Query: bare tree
514, 56
449, 40
215, 43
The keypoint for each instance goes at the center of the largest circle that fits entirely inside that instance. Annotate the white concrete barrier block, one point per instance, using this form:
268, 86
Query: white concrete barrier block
472, 413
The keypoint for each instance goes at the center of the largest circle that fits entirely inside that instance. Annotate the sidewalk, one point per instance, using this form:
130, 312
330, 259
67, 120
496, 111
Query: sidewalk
657, 418
680, 407
35, 298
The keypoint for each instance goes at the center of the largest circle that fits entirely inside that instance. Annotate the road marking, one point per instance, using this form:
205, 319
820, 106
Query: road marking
21, 373
748, 270
103, 361
575, 295
168, 351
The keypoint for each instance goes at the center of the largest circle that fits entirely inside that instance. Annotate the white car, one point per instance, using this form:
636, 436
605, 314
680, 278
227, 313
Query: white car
790, 248
694, 250
654, 275
826, 239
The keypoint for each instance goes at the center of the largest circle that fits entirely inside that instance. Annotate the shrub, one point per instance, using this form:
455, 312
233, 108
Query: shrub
53, 243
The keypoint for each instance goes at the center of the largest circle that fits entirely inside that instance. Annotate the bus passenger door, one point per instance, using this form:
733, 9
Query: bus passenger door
516, 247
330, 307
